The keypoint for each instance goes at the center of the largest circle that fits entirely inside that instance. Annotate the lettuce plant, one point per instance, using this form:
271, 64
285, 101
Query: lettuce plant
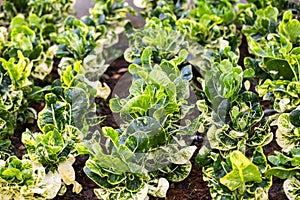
288, 130
126, 171
79, 43
247, 13
118, 175
51, 151
160, 92
286, 166
236, 113
164, 9
76, 41
234, 129
107, 19
210, 28
64, 123
277, 56
21, 179
277, 52
30, 23
265, 23
21, 36
15, 87
165, 42
87, 39
238, 177
210, 23
55, 147
149, 149
223, 9
235, 124
274, 41
54, 11
23, 57
75, 102
282, 92
31, 37
110, 19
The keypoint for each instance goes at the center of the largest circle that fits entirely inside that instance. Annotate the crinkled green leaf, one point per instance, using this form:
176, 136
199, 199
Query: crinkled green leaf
291, 188
179, 172
21, 179
19, 72
144, 132
203, 157
243, 171
160, 190
285, 165
289, 27
286, 133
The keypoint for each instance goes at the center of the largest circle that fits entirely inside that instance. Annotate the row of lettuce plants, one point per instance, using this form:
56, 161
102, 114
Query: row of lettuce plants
246, 103
34, 36
242, 107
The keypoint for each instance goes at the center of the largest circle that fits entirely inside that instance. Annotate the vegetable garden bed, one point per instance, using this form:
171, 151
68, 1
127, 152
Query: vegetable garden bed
203, 103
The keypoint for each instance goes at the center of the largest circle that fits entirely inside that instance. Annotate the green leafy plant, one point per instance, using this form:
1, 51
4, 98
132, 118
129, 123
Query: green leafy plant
31, 37
210, 23
50, 150
223, 9
277, 52
287, 131
78, 43
54, 11
279, 58
164, 9
149, 149
110, 18
210, 29
236, 114
165, 42
117, 174
265, 23
243, 171
21, 179
247, 14
286, 166
64, 123
238, 177
246, 57
165, 93
23, 58
15, 83
87, 39
235, 124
